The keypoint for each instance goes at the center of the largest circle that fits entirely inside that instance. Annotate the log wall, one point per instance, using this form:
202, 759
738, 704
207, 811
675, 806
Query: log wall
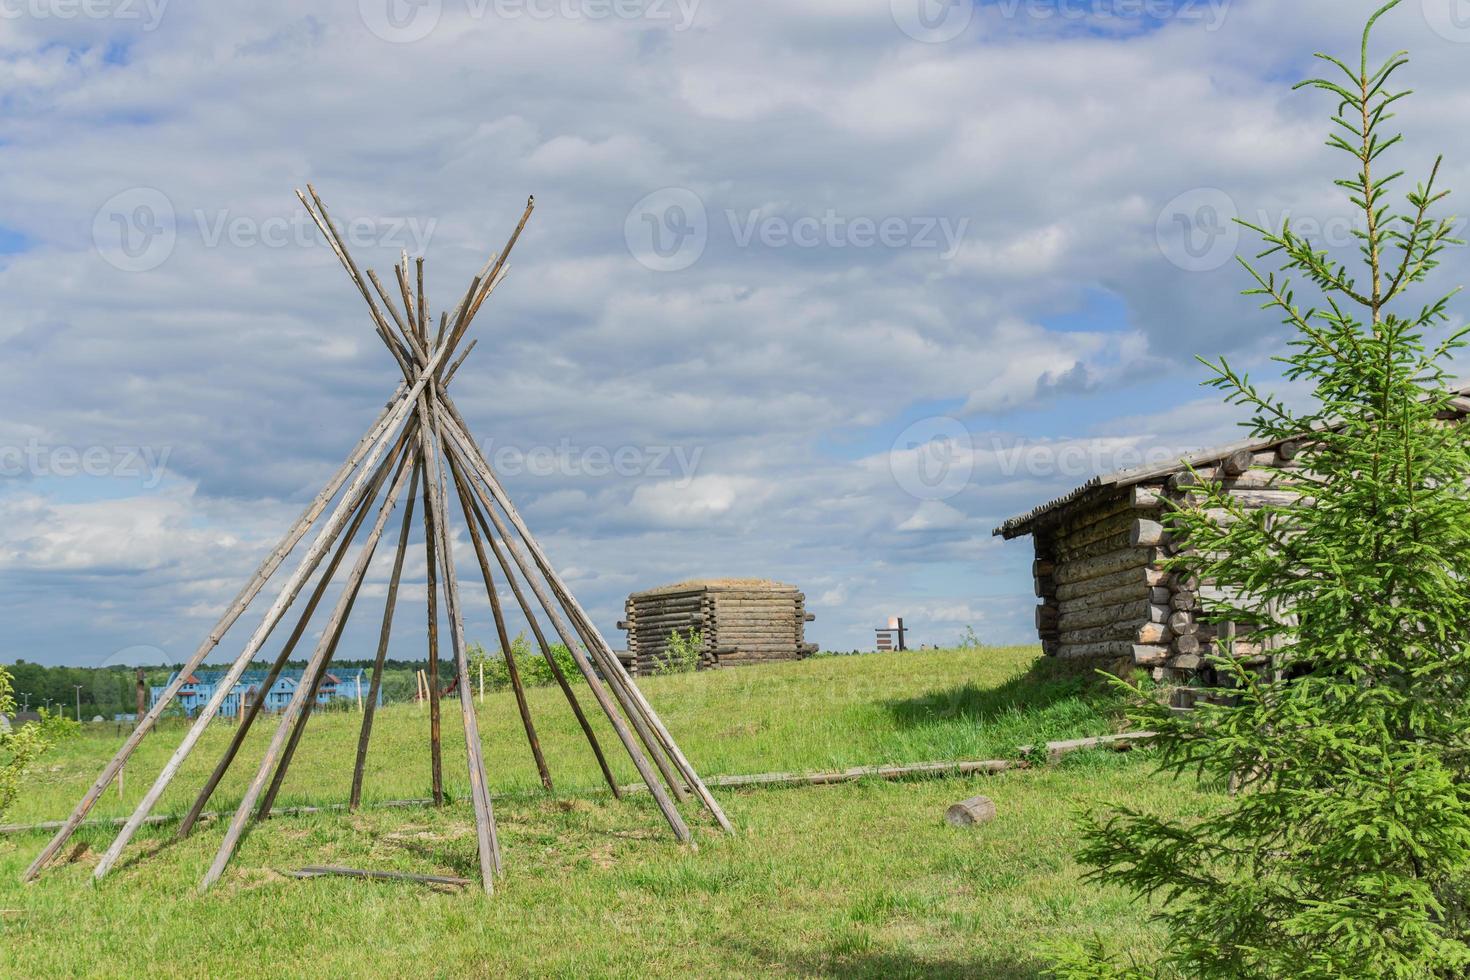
1100, 578
737, 622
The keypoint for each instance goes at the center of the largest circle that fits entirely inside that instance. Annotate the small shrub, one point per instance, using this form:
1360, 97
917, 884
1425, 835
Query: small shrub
21, 747
682, 654
970, 641
532, 666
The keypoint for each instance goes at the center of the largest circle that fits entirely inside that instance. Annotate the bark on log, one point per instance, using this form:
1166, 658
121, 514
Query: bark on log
1103, 529
1133, 612
1182, 622
1154, 633
1147, 497
1146, 575
1117, 561
1146, 534
1079, 651
969, 813
1237, 462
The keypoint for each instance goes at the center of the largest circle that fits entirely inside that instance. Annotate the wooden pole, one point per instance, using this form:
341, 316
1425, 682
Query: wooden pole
491, 275
375, 686
501, 634
545, 648
287, 595
249, 716
431, 679
237, 607
489, 843
308, 682
645, 770
329, 230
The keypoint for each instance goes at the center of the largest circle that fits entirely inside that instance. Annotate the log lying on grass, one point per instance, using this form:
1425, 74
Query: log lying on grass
1118, 743
322, 870
968, 813
982, 766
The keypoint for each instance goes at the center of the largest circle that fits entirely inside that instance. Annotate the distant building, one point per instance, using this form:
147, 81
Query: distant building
201, 685
731, 622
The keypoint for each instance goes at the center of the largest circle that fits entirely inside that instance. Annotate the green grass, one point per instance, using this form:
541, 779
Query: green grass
856, 879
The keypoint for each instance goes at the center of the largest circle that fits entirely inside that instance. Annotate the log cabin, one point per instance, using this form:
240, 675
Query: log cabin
1100, 551
734, 621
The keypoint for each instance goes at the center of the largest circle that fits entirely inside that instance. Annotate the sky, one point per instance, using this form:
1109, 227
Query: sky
815, 290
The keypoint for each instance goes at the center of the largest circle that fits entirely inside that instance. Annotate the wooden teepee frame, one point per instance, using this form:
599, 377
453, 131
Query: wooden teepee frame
419, 441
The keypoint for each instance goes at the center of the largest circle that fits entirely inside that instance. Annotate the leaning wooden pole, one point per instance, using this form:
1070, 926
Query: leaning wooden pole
630, 744
485, 832
431, 550
544, 647
232, 613
500, 631
299, 698
370, 710
289, 591
247, 721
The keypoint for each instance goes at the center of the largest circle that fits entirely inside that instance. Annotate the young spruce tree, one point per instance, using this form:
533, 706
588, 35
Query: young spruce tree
1343, 848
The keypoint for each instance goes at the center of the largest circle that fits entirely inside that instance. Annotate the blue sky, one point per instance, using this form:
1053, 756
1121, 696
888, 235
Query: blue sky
780, 248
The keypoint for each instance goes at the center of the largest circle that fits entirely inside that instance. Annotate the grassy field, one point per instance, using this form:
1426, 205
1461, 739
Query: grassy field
861, 879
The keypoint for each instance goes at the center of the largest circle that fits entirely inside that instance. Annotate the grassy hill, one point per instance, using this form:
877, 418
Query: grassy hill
862, 879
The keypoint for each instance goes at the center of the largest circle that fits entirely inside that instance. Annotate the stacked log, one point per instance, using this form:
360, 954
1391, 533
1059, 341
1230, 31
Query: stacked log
735, 621
1099, 571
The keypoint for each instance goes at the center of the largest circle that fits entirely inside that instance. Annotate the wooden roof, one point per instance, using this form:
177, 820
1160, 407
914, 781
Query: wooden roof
1101, 486
716, 584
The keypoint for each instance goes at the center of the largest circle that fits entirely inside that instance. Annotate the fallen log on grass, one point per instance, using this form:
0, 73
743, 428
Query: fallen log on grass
968, 813
1118, 743
985, 766
322, 870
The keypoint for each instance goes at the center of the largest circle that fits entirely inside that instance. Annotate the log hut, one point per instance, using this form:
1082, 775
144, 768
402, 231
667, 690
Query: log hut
736, 622
1100, 553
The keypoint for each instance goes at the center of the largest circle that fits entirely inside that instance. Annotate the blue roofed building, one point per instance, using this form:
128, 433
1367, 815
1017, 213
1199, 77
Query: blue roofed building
201, 685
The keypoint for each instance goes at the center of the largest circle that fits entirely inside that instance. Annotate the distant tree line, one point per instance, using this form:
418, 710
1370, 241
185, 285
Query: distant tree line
110, 691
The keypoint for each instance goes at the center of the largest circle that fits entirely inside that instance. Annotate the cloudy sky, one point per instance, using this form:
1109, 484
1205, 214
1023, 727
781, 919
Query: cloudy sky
782, 250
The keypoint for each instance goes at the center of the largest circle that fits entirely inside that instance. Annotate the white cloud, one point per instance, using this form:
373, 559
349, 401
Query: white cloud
1060, 323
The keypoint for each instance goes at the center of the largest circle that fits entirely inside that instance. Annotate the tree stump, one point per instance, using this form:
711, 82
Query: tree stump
968, 813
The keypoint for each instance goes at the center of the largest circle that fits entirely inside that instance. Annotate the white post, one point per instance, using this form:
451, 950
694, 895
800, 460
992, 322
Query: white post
482, 682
